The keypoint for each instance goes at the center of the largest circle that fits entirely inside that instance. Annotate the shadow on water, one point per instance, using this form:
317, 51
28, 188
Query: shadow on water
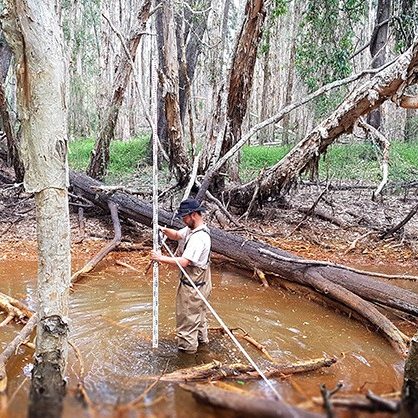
111, 315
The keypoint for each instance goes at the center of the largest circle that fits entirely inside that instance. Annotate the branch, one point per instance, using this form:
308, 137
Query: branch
384, 144
106, 250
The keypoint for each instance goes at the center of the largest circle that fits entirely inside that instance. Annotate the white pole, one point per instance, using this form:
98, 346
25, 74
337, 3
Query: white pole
155, 271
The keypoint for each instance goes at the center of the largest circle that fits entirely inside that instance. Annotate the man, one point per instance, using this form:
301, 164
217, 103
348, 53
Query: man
194, 246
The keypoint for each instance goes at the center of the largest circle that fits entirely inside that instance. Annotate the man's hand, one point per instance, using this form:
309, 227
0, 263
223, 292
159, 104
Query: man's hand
156, 255
170, 233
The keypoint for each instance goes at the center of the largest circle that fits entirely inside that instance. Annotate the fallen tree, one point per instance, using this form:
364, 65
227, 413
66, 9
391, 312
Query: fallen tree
389, 83
353, 290
245, 404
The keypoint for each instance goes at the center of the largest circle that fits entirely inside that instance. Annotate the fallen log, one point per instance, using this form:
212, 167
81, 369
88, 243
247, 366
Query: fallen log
247, 253
246, 405
238, 371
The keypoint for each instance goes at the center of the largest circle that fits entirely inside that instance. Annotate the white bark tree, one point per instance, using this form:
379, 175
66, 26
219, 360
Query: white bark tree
34, 33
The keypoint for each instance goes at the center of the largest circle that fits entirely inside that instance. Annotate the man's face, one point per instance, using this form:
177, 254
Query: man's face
189, 220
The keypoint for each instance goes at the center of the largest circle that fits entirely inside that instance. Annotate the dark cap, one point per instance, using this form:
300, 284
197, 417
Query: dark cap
189, 206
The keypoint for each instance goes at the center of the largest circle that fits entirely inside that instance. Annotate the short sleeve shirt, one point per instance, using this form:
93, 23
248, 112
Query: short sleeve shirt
195, 245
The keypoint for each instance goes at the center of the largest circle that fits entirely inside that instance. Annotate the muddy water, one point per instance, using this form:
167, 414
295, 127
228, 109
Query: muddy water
111, 326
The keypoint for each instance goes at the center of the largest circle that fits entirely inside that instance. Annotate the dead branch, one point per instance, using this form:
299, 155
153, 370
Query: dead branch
246, 404
237, 371
383, 404
308, 212
127, 190
404, 221
244, 335
20, 338
354, 243
14, 309
128, 266
105, 251
326, 395
383, 144
360, 402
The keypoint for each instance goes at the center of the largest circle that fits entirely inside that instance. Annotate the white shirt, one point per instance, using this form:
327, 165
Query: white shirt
197, 245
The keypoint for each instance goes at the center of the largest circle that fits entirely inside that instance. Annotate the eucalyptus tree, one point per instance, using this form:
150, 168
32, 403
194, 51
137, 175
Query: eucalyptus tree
33, 31
326, 45
180, 32
409, 402
13, 154
378, 48
100, 156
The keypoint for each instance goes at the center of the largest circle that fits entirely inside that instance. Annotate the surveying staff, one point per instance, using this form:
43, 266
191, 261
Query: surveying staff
194, 246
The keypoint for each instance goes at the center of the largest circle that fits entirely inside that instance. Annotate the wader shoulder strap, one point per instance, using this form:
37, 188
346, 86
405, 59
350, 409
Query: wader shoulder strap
205, 230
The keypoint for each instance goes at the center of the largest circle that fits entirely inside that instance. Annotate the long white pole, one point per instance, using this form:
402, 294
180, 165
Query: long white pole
155, 270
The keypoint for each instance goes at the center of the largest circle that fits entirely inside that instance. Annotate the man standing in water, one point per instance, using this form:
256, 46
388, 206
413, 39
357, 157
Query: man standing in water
194, 246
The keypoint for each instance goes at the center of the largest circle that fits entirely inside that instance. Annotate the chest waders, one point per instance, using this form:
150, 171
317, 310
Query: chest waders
190, 308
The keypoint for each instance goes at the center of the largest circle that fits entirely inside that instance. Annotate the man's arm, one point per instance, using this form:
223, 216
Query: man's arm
171, 233
157, 256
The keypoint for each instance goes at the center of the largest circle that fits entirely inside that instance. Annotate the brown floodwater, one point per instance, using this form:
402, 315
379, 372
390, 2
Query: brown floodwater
111, 313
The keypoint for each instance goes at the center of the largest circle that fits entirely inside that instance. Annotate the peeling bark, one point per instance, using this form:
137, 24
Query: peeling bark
33, 32
169, 78
409, 402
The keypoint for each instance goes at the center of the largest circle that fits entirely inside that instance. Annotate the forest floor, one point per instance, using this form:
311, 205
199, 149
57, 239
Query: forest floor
343, 226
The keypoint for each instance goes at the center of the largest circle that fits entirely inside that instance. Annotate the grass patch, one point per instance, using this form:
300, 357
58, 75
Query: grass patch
124, 155
342, 161
358, 161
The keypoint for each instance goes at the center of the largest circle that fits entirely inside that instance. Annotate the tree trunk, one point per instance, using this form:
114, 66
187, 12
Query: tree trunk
290, 75
409, 403
42, 106
100, 156
334, 282
169, 78
378, 49
13, 157
241, 76
189, 44
305, 155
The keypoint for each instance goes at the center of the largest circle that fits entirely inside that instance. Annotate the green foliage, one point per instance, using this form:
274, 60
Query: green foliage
278, 8
405, 23
362, 162
325, 41
124, 155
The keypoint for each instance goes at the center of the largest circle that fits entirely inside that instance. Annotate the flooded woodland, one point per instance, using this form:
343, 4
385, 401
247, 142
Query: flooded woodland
111, 356
285, 131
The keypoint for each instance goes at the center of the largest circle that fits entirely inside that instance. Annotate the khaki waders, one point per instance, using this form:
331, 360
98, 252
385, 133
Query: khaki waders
191, 310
